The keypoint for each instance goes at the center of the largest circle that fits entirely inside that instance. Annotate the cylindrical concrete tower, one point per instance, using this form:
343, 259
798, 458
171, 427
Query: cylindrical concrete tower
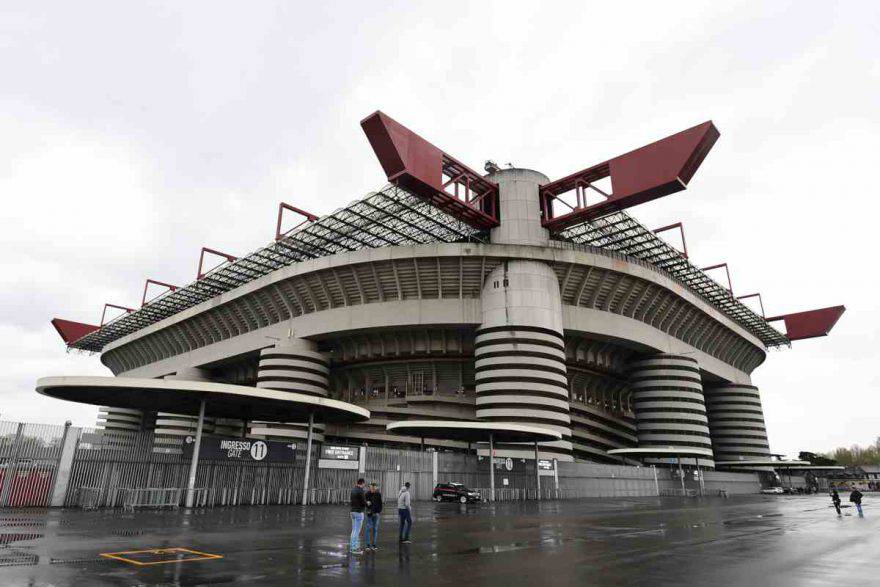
736, 422
667, 392
293, 365
519, 351
520, 208
172, 428
124, 420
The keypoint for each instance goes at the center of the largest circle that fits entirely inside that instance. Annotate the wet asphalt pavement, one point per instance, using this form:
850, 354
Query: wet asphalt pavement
750, 540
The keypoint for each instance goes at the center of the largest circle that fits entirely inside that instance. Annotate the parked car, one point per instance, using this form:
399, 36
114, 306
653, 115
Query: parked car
455, 492
773, 491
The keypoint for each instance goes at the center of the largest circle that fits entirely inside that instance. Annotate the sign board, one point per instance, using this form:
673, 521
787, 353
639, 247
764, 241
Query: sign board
545, 465
218, 448
340, 453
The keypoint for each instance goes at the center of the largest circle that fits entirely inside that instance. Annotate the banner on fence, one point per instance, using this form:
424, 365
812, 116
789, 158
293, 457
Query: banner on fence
340, 453
241, 449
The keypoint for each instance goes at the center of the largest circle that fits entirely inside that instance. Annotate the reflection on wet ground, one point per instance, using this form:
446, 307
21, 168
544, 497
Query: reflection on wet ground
751, 540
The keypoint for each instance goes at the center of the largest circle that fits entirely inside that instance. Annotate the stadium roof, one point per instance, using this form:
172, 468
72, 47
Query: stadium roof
395, 217
390, 217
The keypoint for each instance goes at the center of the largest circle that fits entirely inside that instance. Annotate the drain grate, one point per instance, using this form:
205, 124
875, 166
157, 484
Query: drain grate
19, 559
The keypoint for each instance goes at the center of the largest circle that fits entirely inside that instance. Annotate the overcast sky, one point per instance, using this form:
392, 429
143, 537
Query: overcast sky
133, 133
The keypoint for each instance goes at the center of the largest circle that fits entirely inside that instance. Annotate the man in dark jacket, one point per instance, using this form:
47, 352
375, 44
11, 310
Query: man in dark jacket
835, 499
374, 508
358, 505
856, 498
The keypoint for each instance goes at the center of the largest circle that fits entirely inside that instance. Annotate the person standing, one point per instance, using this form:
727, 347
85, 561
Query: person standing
404, 512
358, 505
835, 499
856, 498
374, 508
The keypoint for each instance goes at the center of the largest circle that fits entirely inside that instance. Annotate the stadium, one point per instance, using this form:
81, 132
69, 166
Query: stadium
456, 295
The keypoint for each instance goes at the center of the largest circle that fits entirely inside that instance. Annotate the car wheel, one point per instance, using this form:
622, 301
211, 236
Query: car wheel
462, 499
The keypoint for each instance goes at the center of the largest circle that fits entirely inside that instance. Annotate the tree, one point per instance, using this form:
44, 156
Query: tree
816, 459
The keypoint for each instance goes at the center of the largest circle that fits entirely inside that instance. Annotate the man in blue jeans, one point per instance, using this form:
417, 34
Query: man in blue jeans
358, 504
404, 511
374, 508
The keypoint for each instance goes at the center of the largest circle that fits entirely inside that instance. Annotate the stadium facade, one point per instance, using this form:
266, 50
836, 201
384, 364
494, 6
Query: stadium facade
450, 294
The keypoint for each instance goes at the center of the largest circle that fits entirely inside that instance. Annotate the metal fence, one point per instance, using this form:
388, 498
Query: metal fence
43, 465
121, 469
29, 457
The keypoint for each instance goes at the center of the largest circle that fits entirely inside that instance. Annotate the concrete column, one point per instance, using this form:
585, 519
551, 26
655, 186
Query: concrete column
434, 468
520, 209
519, 350
294, 365
171, 428
736, 423
64, 466
669, 405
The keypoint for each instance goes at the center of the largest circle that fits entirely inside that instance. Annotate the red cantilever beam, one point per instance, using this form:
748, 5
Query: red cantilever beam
118, 307
71, 331
726, 270
810, 324
226, 256
282, 206
154, 282
416, 165
754, 295
680, 228
648, 173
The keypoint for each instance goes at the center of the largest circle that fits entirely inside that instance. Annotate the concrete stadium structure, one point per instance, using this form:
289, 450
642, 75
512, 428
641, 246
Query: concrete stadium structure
450, 294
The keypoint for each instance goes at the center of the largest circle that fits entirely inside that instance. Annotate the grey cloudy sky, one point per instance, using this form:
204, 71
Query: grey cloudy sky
133, 133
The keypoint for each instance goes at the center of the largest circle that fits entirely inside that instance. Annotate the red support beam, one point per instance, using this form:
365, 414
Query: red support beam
810, 324
71, 331
648, 173
419, 167
118, 307
726, 270
282, 206
154, 282
760, 301
680, 228
226, 256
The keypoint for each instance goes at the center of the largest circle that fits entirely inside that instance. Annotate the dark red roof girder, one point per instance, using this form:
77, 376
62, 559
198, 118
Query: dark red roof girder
417, 166
650, 172
810, 324
71, 331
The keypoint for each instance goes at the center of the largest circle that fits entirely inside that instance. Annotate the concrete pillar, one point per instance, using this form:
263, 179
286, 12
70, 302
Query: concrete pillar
294, 365
519, 348
519, 354
669, 405
736, 423
520, 209
171, 428
64, 466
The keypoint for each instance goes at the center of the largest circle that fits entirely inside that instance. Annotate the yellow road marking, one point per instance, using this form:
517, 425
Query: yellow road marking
200, 556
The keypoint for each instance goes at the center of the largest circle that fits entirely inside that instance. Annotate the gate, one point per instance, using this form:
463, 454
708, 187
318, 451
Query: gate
29, 458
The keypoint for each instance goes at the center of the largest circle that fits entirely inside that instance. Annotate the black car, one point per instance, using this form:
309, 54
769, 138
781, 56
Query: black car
455, 492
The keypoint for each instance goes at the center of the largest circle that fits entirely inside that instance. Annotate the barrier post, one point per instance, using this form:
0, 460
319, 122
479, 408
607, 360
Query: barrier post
305, 500
194, 463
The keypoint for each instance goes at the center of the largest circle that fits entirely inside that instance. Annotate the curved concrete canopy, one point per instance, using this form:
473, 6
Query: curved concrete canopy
184, 397
664, 451
763, 463
473, 431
